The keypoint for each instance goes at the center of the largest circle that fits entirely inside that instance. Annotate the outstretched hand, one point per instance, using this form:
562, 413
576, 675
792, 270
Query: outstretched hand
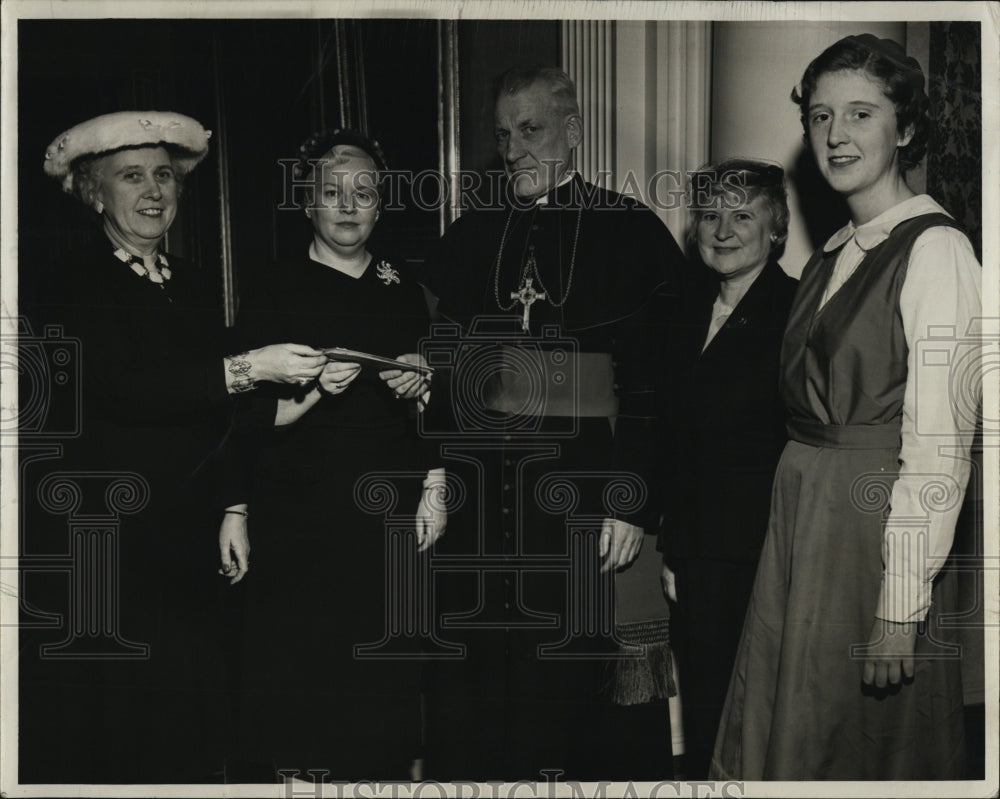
286, 363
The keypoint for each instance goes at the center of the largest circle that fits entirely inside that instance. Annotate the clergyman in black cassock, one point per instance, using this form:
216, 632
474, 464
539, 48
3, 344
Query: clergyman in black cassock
553, 306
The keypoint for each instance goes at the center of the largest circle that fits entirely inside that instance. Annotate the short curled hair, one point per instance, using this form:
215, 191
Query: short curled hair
319, 144
87, 179
733, 183
901, 79
87, 175
560, 86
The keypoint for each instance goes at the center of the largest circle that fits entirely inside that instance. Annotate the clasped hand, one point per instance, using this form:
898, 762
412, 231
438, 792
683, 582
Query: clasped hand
407, 384
337, 376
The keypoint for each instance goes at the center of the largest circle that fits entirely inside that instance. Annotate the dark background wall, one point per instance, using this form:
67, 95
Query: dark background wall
262, 86
487, 48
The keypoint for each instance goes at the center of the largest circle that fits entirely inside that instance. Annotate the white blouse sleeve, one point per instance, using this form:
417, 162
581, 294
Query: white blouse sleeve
939, 300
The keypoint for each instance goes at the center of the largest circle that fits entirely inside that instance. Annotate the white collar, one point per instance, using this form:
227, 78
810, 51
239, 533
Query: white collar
544, 199
875, 231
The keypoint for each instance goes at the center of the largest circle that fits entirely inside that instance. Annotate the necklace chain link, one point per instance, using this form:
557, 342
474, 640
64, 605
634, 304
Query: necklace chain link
532, 267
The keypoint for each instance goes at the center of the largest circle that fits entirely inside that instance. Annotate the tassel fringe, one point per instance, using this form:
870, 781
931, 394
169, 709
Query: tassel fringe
644, 672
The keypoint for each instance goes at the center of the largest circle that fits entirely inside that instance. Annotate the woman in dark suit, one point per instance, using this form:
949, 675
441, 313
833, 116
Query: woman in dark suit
726, 428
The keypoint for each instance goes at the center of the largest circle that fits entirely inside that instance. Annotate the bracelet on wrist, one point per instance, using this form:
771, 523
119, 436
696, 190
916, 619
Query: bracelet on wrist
243, 384
239, 367
242, 513
238, 364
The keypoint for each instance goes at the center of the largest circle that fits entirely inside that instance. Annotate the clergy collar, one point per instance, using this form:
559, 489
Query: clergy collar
567, 178
877, 230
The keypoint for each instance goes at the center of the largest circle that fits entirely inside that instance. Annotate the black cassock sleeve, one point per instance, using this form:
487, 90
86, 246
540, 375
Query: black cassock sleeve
436, 415
637, 357
447, 284
641, 357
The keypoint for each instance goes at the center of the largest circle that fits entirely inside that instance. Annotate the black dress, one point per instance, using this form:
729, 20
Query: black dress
725, 429
333, 496
115, 538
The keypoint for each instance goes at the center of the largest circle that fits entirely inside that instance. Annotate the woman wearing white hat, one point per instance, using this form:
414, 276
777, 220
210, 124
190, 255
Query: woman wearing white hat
156, 383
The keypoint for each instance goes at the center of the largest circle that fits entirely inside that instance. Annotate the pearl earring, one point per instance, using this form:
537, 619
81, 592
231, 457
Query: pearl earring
99, 207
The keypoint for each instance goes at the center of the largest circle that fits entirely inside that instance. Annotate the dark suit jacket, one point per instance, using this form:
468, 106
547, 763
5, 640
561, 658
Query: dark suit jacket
725, 422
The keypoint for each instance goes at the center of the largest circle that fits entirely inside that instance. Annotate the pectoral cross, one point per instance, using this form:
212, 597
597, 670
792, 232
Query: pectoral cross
527, 296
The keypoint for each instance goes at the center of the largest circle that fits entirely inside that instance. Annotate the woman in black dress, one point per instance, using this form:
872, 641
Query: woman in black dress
727, 428
339, 474
127, 691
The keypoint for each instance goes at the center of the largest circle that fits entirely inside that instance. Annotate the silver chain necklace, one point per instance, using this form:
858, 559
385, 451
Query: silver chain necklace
531, 267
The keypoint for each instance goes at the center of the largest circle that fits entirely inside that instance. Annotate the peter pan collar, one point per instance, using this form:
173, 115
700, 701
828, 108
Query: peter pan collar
877, 230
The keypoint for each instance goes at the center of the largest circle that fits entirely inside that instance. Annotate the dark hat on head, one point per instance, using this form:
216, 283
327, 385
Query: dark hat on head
319, 144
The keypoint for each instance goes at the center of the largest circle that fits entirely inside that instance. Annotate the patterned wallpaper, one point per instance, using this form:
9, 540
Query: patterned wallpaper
954, 156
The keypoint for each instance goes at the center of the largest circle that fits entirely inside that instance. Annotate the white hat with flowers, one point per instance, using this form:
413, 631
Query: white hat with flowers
111, 132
